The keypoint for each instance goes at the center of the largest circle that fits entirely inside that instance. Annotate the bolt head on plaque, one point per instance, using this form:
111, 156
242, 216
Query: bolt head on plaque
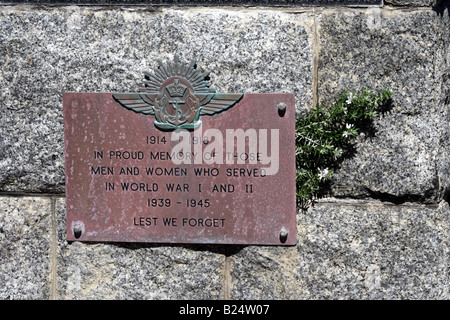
177, 94
283, 235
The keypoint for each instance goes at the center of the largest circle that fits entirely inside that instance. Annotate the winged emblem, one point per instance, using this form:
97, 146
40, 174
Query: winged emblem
177, 94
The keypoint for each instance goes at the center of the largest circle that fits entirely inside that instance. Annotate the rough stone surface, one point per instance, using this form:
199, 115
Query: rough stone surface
47, 51
25, 248
204, 2
412, 3
375, 251
407, 156
266, 273
136, 271
347, 248
353, 250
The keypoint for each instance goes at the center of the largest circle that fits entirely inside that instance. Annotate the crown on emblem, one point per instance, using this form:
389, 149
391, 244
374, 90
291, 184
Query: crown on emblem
176, 89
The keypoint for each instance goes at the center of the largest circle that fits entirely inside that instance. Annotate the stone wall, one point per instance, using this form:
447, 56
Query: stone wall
383, 233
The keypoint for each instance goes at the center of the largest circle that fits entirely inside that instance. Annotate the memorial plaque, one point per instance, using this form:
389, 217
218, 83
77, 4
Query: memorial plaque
177, 162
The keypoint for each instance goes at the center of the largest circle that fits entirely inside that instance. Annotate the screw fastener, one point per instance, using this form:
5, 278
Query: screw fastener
283, 235
77, 230
281, 109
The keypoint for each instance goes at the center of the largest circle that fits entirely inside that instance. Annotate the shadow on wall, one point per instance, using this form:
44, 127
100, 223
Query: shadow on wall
225, 249
441, 6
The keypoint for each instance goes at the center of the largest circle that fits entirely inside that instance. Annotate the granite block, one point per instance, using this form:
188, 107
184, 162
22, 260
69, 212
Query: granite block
25, 248
266, 273
237, 3
405, 157
375, 251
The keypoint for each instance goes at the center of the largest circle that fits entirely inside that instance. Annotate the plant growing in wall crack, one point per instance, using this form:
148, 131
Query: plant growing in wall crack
324, 138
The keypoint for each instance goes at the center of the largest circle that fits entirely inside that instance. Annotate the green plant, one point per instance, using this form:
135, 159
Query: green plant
324, 137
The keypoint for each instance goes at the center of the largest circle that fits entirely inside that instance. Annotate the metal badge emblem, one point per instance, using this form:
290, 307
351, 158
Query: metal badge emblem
177, 94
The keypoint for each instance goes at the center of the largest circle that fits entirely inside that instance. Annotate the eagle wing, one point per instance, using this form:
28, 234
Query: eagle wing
218, 102
138, 102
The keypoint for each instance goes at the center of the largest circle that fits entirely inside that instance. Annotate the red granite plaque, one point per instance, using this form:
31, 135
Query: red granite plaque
129, 181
